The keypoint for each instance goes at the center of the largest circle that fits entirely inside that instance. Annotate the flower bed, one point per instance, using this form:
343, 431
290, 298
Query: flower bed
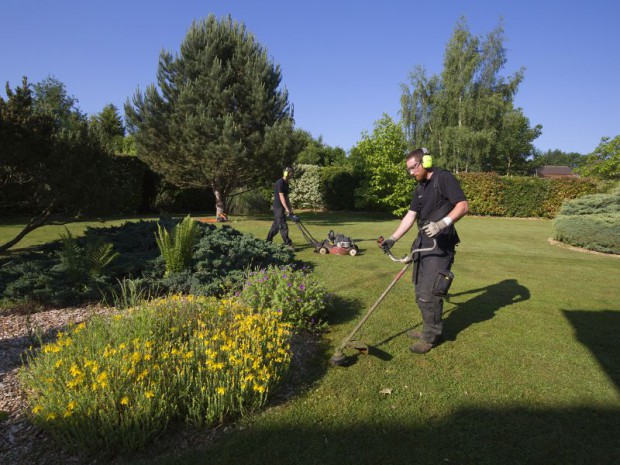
116, 383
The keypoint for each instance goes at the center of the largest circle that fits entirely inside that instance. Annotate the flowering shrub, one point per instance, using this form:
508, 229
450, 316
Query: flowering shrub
114, 384
294, 293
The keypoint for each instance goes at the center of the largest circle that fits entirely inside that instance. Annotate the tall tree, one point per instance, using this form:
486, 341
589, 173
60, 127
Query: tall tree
557, 157
515, 143
45, 167
463, 113
381, 157
604, 162
417, 105
109, 128
317, 152
50, 96
218, 118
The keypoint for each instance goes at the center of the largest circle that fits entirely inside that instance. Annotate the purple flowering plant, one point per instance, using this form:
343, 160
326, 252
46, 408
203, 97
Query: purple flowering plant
293, 292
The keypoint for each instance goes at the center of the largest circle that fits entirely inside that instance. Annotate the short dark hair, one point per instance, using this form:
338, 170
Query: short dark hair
417, 153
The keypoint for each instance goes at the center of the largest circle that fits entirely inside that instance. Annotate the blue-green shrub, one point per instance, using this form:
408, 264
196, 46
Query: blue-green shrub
592, 222
598, 232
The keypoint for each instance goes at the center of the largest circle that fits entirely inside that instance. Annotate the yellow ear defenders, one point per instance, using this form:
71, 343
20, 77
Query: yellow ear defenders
287, 172
427, 160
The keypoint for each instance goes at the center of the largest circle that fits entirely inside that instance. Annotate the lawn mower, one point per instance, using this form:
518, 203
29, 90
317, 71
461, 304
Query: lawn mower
339, 359
337, 244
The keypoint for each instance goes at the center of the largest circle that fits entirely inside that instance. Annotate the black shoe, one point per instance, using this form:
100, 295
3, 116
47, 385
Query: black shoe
421, 347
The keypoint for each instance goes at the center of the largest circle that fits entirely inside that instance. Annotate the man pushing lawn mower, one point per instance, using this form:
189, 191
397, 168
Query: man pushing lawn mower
282, 209
438, 202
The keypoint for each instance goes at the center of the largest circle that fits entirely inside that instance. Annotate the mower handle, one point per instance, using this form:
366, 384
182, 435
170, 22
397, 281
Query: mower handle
409, 257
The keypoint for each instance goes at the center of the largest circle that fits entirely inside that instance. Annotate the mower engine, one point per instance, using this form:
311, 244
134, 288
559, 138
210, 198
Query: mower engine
340, 244
340, 240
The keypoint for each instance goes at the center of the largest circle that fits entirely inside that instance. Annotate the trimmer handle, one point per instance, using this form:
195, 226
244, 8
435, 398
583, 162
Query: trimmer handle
409, 257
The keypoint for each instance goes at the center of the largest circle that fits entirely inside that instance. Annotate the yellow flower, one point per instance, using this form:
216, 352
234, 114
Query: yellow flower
37, 409
71, 405
79, 328
58, 363
50, 417
125, 401
136, 357
75, 371
149, 394
220, 390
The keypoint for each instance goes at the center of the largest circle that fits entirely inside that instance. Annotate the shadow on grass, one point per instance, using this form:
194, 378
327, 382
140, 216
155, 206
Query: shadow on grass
598, 331
477, 309
343, 309
483, 306
468, 436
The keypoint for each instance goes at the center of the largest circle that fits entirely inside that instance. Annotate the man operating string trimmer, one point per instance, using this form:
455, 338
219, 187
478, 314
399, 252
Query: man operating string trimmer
438, 202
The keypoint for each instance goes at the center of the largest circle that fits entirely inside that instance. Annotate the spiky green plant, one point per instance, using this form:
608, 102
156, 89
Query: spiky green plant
176, 247
98, 256
71, 255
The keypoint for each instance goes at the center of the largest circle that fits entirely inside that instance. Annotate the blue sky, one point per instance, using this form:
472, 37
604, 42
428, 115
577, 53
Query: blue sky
342, 61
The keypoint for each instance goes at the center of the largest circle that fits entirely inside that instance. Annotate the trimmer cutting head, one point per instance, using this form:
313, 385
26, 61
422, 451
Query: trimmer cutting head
338, 359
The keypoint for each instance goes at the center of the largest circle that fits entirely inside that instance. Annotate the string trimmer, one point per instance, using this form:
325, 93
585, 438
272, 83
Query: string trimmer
339, 357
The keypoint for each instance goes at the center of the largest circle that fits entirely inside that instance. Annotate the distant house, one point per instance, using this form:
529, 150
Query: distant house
554, 172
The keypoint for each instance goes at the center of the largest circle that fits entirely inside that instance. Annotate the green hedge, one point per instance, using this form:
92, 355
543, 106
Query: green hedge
339, 184
489, 194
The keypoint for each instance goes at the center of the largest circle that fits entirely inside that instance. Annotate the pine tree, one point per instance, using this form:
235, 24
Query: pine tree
218, 117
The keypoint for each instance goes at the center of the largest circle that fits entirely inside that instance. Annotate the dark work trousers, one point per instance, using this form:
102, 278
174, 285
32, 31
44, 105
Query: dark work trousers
279, 224
425, 269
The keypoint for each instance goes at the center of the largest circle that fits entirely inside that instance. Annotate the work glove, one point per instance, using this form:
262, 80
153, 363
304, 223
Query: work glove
387, 244
432, 229
293, 218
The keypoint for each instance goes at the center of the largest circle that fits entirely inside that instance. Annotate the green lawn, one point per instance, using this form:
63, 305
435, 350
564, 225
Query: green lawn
530, 371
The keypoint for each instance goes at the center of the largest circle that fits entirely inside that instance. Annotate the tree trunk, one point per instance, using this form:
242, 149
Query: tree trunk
220, 202
34, 223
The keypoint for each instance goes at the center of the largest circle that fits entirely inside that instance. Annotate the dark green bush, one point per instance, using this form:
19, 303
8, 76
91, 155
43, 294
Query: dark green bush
220, 258
251, 202
339, 184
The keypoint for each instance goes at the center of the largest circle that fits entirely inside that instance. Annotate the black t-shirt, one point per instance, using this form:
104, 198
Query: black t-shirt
434, 199
281, 186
